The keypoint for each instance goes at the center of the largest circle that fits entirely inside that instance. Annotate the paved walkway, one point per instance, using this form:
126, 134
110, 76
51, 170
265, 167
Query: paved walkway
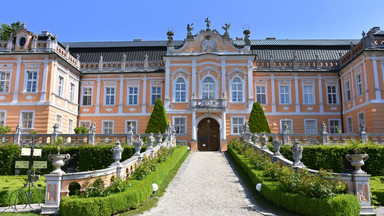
205, 185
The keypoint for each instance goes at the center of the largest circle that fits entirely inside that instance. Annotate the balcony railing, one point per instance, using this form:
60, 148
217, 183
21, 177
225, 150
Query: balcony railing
208, 104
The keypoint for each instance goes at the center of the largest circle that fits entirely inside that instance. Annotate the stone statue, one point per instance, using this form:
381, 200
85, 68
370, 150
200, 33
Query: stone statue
101, 58
189, 29
170, 39
362, 127
226, 27
124, 57
92, 129
24, 26
285, 127
297, 152
208, 23
246, 37
67, 48
323, 128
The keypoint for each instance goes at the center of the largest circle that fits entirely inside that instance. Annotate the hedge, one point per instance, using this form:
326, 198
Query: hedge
339, 205
132, 198
84, 158
377, 189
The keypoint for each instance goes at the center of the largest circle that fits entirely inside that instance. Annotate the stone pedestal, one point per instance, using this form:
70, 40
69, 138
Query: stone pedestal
362, 191
223, 145
193, 145
52, 194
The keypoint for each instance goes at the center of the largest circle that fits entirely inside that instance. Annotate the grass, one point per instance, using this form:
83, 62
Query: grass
377, 190
17, 182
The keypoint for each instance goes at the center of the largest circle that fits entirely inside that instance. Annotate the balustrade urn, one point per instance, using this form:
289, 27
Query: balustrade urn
138, 143
264, 141
297, 152
276, 146
117, 151
58, 160
357, 160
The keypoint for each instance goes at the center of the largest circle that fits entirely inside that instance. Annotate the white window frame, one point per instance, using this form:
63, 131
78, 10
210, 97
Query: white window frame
216, 87
359, 120
312, 93
240, 126
103, 126
329, 125
89, 122
180, 91
82, 95
72, 92
242, 91
7, 82
60, 87
289, 94
21, 119
135, 127
151, 94
105, 96
305, 126
60, 124
336, 93
185, 125
71, 123
138, 95
265, 93
359, 84
181, 142
281, 125
5, 117
33, 80
349, 124
348, 93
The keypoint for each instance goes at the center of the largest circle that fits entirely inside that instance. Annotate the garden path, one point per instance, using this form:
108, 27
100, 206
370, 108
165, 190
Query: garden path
206, 185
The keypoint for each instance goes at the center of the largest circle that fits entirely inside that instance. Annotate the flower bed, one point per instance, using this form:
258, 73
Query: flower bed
311, 197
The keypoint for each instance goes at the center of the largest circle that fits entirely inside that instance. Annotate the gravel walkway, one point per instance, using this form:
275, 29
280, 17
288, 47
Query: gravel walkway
205, 185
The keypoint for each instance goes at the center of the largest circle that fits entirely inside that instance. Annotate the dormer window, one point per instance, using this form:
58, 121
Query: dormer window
22, 41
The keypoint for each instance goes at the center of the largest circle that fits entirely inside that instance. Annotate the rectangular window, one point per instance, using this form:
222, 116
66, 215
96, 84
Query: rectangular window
334, 126
59, 122
156, 94
347, 91
2, 118
133, 94
237, 124
72, 93
87, 96
70, 126
289, 124
310, 126
31, 81
4, 81
359, 85
349, 125
332, 94
27, 120
180, 125
134, 126
261, 96
308, 94
86, 124
361, 120
60, 87
109, 96
107, 127
284, 95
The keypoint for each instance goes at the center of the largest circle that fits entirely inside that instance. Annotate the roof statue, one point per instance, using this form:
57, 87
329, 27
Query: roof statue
226, 27
170, 38
246, 38
189, 29
208, 23
23, 26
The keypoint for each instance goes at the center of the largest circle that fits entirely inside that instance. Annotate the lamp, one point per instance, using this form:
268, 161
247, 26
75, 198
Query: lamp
155, 187
258, 187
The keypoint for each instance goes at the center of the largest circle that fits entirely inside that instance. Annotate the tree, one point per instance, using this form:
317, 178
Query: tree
257, 121
4, 129
81, 130
158, 121
6, 30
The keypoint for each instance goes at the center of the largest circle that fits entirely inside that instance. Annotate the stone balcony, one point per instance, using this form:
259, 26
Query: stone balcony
208, 104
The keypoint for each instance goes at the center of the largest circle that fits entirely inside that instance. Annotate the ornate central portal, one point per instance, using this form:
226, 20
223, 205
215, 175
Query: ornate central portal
208, 135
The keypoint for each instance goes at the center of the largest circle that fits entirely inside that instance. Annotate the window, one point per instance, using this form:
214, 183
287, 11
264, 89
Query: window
284, 95
109, 96
72, 93
60, 87
261, 96
359, 85
237, 90
208, 88
180, 125
308, 94
27, 120
289, 123
332, 94
133, 93
31, 81
156, 94
87, 96
237, 124
180, 90
334, 126
70, 126
86, 124
347, 91
2, 118
133, 123
349, 125
361, 120
310, 126
59, 122
107, 127
4, 81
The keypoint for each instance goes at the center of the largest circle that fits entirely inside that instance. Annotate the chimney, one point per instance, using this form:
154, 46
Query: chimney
270, 38
137, 40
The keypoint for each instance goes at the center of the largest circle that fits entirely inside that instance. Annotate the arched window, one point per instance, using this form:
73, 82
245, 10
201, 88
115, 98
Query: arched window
237, 90
180, 90
208, 88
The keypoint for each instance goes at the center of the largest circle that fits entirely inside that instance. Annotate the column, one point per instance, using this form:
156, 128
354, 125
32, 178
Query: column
321, 102
194, 126
144, 104
250, 85
194, 77
376, 78
273, 93
167, 77
297, 94
16, 90
98, 95
44, 83
121, 93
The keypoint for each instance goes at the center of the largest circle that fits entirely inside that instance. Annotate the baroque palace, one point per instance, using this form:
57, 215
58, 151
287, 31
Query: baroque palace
207, 82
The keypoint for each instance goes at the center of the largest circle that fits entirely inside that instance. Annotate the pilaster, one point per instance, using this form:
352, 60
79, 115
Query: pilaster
17, 83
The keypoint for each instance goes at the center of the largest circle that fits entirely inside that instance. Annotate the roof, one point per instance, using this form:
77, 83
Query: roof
301, 54
105, 44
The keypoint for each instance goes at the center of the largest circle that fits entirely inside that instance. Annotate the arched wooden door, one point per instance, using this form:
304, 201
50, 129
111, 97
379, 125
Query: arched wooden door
208, 135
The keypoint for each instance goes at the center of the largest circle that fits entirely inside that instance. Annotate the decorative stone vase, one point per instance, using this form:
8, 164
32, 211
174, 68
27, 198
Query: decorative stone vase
264, 140
276, 146
138, 143
151, 141
357, 160
297, 152
58, 160
117, 150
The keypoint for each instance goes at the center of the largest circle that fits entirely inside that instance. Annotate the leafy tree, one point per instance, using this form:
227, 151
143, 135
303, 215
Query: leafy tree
81, 130
6, 30
158, 121
257, 121
4, 129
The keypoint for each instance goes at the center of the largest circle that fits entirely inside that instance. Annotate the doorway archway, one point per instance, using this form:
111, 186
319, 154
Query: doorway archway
208, 135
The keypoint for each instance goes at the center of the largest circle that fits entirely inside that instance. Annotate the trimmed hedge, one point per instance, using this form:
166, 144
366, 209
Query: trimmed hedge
84, 158
258, 123
132, 198
339, 205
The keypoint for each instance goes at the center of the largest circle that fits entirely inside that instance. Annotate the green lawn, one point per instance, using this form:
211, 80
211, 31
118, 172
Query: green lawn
377, 189
17, 182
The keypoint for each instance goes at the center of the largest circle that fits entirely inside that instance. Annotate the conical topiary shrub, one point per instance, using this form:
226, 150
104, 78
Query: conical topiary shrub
257, 121
158, 121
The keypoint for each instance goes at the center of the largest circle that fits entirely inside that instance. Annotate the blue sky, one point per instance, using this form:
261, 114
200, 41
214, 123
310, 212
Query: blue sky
86, 20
